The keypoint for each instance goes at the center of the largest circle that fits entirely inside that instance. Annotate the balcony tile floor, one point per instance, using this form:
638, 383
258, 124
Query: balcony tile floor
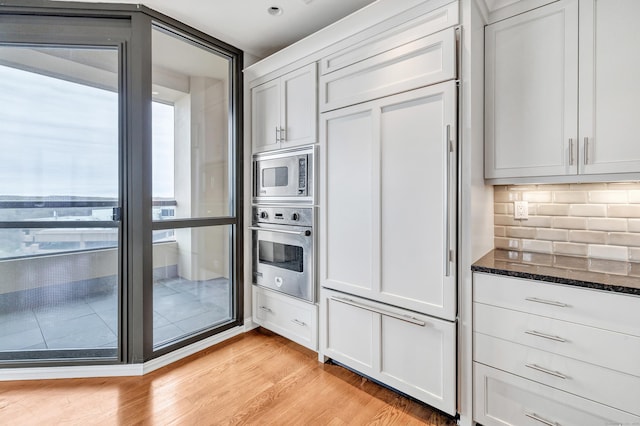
180, 307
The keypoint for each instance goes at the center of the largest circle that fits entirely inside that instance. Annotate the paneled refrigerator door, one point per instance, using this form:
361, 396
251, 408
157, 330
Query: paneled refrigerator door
389, 200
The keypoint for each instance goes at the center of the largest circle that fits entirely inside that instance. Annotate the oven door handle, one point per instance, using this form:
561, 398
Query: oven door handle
282, 231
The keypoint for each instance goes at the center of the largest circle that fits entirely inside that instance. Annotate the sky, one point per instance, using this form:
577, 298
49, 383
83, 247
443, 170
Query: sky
61, 138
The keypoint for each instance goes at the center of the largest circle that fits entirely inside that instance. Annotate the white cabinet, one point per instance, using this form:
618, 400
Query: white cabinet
545, 67
505, 399
410, 352
531, 92
289, 317
583, 343
609, 86
421, 62
388, 185
284, 110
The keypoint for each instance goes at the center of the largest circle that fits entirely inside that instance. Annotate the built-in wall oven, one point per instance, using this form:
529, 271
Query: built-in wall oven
283, 250
284, 176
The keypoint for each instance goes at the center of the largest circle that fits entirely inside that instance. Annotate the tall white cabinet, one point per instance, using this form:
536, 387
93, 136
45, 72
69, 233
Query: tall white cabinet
388, 217
561, 91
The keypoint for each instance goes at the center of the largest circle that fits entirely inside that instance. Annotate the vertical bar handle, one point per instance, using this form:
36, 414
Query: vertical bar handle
586, 150
283, 137
571, 156
277, 134
447, 172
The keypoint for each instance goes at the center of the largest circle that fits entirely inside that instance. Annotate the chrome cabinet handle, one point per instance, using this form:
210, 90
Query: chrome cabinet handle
281, 231
546, 371
447, 245
545, 336
586, 150
407, 318
571, 157
277, 134
298, 322
546, 302
537, 418
282, 135
266, 309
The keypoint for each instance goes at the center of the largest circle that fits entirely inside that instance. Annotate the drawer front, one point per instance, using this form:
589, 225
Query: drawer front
413, 353
596, 308
609, 387
504, 399
293, 319
609, 349
422, 62
428, 23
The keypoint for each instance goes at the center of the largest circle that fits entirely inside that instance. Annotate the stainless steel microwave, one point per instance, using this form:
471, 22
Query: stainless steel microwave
284, 176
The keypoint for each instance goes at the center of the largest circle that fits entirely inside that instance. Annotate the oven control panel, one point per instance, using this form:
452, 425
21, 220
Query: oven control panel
300, 216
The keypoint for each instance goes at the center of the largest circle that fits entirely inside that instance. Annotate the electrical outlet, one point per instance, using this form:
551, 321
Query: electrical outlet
521, 210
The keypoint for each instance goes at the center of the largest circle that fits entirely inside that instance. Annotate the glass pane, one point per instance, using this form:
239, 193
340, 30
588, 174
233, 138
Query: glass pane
191, 134
192, 282
275, 176
284, 256
59, 286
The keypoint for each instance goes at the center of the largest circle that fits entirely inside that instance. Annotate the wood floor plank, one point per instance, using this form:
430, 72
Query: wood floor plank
258, 378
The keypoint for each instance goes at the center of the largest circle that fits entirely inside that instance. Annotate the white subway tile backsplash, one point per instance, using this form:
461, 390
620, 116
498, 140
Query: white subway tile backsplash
537, 196
537, 246
550, 234
593, 221
605, 224
553, 209
589, 237
570, 197
587, 210
608, 197
572, 249
627, 210
569, 222
516, 232
609, 252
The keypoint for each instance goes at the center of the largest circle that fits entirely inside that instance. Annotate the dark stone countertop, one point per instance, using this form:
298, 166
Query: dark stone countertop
600, 274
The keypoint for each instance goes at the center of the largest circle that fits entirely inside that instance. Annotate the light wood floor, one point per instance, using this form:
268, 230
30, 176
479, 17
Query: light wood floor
257, 378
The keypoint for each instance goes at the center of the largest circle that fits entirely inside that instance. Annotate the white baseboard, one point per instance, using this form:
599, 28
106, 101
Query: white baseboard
120, 370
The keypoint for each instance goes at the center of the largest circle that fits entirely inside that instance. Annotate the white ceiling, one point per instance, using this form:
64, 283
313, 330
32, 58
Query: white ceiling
247, 25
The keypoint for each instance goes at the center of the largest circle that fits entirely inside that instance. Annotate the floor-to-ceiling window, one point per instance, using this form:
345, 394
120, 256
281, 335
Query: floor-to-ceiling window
118, 185
193, 191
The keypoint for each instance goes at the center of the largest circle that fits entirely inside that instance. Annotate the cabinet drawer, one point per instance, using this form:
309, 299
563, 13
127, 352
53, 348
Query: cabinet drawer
609, 349
410, 352
422, 62
596, 308
504, 399
609, 387
291, 318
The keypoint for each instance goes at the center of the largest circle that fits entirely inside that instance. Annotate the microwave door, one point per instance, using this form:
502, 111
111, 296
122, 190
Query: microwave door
277, 178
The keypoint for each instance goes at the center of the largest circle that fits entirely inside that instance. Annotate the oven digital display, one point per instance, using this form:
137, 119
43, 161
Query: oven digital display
275, 176
283, 256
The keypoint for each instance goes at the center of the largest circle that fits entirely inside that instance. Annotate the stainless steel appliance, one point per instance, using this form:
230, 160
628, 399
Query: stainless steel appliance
284, 176
283, 250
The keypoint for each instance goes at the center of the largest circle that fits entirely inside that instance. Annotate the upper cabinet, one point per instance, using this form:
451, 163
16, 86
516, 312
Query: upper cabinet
560, 92
284, 110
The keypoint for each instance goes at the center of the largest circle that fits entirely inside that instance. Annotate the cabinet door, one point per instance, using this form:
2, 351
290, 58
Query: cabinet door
389, 193
531, 93
265, 116
412, 353
299, 107
609, 86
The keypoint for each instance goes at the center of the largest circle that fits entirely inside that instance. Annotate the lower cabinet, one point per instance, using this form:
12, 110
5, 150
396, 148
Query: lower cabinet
292, 318
410, 352
506, 399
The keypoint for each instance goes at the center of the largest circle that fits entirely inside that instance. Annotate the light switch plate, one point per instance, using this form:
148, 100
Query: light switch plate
521, 210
